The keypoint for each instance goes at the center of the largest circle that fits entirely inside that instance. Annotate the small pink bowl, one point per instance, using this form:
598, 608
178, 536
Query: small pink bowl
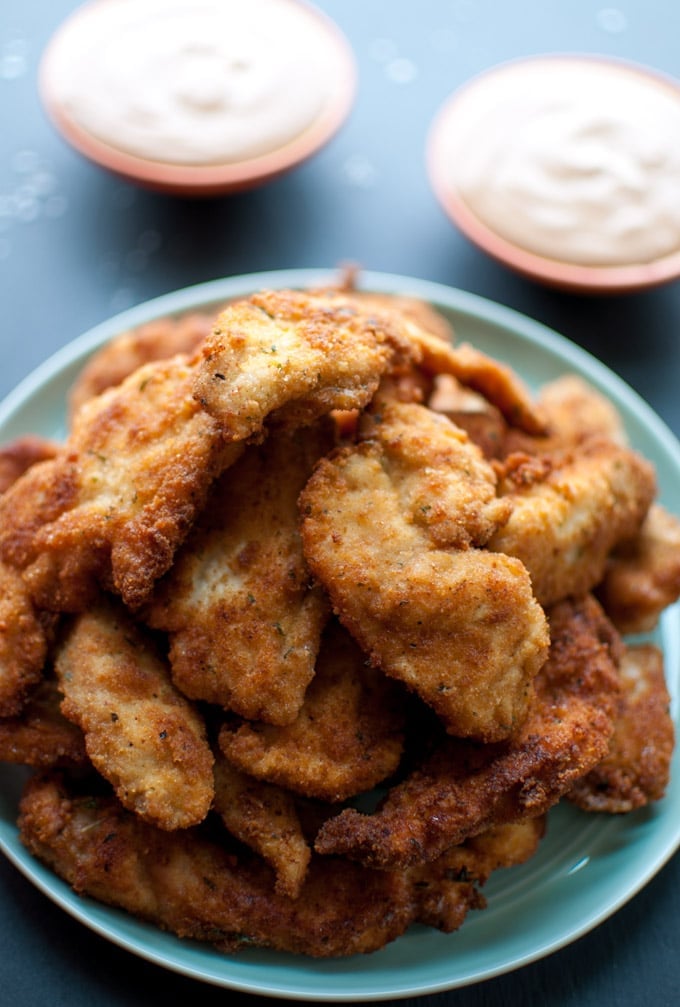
565, 275
210, 179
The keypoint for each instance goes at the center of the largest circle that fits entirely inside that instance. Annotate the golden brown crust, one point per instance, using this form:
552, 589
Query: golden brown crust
642, 575
141, 734
198, 889
112, 509
495, 381
288, 357
569, 510
457, 625
264, 817
347, 738
23, 643
636, 769
233, 498
40, 735
243, 619
462, 789
19, 455
156, 340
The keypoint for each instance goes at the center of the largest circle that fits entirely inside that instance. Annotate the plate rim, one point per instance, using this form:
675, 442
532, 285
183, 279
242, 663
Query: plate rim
459, 302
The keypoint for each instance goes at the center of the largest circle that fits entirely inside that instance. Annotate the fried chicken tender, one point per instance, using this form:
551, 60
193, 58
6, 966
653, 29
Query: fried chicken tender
636, 768
463, 789
112, 508
575, 412
642, 575
263, 817
196, 888
23, 642
244, 622
140, 733
156, 340
288, 357
497, 383
40, 735
469, 866
391, 540
17, 456
569, 511
348, 736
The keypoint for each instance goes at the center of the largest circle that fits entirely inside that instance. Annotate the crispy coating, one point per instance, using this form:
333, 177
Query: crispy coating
388, 538
40, 735
569, 511
194, 887
424, 314
263, 817
366, 553
483, 423
141, 734
156, 340
288, 357
347, 738
462, 790
197, 889
444, 486
470, 866
18, 455
497, 383
636, 769
112, 509
574, 411
23, 642
642, 575
244, 622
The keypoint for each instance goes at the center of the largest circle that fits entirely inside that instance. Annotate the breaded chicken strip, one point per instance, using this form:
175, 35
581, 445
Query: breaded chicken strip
470, 866
23, 642
391, 537
497, 383
17, 456
288, 357
197, 889
569, 510
642, 575
156, 340
636, 768
574, 411
114, 506
140, 733
462, 789
243, 619
41, 735
263, 817
347, 738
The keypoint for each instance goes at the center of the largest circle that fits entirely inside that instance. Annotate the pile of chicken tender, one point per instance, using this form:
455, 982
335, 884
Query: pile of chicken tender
313, 616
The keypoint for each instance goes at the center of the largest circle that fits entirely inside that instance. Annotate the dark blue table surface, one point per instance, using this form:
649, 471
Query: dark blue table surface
78, 245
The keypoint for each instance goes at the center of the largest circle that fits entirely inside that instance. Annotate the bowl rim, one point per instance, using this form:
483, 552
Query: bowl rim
554, 272
209, 179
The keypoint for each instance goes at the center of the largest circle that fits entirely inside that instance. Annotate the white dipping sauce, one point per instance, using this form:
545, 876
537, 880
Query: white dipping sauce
574, 159
195, 82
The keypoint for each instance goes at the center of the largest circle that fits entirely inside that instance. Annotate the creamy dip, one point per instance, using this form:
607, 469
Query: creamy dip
197, 82
574, 159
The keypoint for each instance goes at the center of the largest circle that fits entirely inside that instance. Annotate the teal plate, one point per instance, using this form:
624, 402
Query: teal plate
587, 867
